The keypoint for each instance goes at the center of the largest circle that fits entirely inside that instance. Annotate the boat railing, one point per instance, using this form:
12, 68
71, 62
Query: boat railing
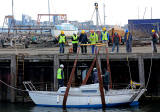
29, 86
38, 86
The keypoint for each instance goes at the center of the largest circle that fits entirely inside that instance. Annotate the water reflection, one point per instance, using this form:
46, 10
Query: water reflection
7, 107
52, 109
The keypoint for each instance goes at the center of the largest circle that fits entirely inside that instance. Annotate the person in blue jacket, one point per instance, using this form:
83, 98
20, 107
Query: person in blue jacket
128, 40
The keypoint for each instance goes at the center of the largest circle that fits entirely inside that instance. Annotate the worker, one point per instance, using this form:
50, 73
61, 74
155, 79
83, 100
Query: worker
75, 42
60, 76
93, 39
95, 75
154, 41
116, 39
128, 40
62, 41
83, 40
105, 36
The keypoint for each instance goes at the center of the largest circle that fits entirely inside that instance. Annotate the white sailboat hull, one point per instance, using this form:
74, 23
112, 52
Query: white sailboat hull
85, 100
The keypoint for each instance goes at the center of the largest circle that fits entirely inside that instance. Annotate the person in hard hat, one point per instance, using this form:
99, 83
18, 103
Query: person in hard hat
95, 75
154, 40
116, 39
83, 40
75, 42
105, 36
60, 76
62, 41
93, 39
128, 40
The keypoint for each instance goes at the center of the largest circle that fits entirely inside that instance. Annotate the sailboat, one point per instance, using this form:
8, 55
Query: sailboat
86, 96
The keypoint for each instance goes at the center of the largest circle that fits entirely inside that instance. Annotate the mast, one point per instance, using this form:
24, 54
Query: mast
12, 8
96, 8
49, 10
104, 6
151, 12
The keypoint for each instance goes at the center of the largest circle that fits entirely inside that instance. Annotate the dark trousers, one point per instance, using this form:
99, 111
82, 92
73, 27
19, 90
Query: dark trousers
84, 49
128, 47
61, 45
60, 83
75, 48
114, 45
154, 47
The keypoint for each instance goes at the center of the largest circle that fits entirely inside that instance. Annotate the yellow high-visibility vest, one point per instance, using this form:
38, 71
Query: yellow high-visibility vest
59, 76
104, 36
94, 38
75, 39
62, 39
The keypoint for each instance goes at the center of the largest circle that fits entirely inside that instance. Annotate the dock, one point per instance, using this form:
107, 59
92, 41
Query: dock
40, 66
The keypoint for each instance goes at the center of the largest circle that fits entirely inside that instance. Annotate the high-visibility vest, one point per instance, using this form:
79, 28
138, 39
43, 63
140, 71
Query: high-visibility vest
104, 36
75, 39
59, 74
62, 39
94, 38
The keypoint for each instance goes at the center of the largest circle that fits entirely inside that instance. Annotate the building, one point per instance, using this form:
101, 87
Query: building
143, 27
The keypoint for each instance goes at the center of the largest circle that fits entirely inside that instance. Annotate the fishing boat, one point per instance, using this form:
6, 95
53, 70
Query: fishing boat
68, 29
85, 96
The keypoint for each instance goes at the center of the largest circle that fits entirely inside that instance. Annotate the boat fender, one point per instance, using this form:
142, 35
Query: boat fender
57, 98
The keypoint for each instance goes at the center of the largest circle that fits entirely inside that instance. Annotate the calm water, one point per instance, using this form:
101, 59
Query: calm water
4, 107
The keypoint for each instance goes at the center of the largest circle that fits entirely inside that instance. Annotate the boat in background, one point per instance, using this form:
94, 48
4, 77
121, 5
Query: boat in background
68, 29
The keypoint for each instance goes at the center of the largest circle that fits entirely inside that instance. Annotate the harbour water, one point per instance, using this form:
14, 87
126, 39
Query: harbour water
6, 107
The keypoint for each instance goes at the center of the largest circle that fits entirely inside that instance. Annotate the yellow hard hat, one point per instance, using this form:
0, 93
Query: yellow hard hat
62, 32
83, 31
104, 28
153, 31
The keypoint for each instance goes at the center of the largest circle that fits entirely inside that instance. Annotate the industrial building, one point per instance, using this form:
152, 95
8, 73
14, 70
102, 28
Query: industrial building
143, 27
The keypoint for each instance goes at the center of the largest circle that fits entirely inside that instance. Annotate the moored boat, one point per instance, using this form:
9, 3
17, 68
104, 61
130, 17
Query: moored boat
86, 96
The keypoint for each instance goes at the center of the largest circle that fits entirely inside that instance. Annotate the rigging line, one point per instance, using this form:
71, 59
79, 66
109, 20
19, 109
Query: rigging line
129, 69
108, 67
150, 70
93, 14
99, 19
12, 86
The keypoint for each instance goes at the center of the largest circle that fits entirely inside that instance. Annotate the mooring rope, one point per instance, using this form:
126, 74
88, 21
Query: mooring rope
13, 87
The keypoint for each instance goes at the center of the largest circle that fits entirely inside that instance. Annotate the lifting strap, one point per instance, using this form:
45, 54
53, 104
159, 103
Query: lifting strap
108, 68
100, 84
90, 70
70, 80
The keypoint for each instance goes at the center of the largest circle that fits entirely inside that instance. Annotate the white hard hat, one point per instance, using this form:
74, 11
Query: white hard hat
94, 69
61, 65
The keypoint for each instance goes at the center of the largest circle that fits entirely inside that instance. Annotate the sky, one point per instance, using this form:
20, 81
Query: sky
117, 11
